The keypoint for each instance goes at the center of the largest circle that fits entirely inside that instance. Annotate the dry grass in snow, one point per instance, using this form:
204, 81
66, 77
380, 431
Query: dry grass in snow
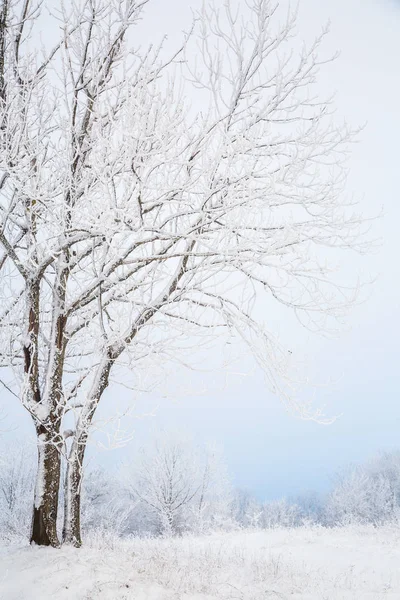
307, 563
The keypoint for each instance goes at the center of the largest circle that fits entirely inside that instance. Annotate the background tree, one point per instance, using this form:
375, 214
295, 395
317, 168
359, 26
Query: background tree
167, 480
107, 508
366, 493
17, 478
132, 220
211, 508
280, 513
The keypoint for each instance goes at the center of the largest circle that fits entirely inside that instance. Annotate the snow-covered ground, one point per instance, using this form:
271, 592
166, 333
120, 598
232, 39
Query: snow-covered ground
308, 563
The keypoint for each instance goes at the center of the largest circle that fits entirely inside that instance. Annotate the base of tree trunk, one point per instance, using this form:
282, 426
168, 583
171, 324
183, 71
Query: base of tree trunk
72, 494
43, 534
72, 521
45, 508
71, 540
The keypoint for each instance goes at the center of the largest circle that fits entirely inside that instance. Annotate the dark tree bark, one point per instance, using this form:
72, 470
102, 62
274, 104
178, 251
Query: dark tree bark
45, 510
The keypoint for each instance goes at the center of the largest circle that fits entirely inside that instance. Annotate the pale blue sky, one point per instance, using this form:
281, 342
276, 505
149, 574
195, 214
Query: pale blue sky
269, 451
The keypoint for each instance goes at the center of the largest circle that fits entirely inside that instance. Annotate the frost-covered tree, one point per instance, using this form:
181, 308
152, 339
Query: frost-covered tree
367, 493
280, 513
106, 507
310, 507
166, 481
171, 486
133, 218
169, 479
246, 509
241, 502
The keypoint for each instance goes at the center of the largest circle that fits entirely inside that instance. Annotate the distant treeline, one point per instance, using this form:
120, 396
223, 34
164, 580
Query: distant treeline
174, 487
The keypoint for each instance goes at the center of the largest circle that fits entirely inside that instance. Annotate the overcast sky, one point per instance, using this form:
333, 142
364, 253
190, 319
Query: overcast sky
270, 452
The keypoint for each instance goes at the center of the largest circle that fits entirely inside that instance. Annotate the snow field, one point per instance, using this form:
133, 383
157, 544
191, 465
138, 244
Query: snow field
305, 563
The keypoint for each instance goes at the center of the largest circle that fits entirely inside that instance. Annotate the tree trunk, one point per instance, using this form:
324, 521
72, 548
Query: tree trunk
73, 482
45, 509
73, 478
167, 522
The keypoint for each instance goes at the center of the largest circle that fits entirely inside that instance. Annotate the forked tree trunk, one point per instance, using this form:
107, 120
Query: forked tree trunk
73, 482
45, 509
